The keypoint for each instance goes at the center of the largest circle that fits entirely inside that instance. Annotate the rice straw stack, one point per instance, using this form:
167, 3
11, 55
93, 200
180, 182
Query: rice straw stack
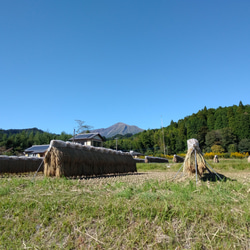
194, 154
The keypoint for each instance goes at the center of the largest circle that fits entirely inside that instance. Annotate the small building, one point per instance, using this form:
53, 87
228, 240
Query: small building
89, 139
36, 151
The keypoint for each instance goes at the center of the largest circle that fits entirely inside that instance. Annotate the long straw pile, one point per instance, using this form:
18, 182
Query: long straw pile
149, 159
22, 164
194, 156
73, 159
177, 159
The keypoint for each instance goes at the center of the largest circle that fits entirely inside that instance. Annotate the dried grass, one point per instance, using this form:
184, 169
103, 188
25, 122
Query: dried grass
15, 164
216, 159
150, 159
190, 164
177, 159
70, 159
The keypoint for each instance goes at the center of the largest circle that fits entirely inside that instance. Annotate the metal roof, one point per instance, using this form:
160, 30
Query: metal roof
36, 149
85, 136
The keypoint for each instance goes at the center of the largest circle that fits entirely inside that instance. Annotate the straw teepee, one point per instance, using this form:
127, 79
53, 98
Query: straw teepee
194, 159
216, 159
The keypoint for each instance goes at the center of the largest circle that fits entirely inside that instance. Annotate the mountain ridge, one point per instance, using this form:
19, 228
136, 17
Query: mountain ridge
118, 128
17, 131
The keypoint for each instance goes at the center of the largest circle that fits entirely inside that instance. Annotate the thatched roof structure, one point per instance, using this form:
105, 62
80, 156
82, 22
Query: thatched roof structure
177, 159
139, 160
73, 159
193, 157
152, 159
15, 164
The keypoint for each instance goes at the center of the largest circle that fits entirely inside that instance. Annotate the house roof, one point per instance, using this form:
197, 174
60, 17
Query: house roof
36, 149
86, 136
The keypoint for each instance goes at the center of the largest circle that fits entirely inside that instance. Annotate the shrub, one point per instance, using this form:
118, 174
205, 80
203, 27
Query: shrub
232, 148
217, 148
212, 154
238, 155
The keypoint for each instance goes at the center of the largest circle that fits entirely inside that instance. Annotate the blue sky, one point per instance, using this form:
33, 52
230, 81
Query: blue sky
140, 62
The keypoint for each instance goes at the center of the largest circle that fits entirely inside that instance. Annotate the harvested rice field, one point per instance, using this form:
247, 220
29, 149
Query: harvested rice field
144, 210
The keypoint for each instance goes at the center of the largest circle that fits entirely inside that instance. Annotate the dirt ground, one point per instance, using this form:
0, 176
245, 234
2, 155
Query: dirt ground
140, 177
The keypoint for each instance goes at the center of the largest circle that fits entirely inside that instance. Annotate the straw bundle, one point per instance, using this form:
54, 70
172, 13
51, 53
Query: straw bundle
14, 164
155, 159
139, 160
248, 158
73, 159
216, 159
194, 156
178, 159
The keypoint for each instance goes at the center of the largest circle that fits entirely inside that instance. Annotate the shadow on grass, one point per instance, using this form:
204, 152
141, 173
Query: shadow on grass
213, 177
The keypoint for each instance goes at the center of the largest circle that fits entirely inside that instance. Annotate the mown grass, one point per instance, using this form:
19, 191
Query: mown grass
141, 211
224, 164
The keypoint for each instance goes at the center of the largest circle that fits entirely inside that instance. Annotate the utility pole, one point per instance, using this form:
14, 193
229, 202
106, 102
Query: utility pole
164, 149
116, 142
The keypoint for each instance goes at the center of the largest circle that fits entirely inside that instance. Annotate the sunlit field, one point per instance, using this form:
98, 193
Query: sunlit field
151, 209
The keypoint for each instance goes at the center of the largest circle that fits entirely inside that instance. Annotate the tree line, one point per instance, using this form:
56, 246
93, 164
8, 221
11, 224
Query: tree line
15, 142
225, 129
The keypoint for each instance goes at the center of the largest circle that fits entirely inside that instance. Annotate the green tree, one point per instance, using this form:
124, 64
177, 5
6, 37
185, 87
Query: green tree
227, 137
232, 148
64, 136
217, 149
243, 125
201, 136
221, 120
231, 118
213, 138
244, 145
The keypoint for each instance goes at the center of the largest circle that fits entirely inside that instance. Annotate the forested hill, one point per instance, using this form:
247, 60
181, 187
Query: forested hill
15, 141
17, 131
225, 129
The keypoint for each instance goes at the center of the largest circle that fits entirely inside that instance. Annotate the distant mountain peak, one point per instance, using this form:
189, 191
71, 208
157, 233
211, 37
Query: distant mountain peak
118, 128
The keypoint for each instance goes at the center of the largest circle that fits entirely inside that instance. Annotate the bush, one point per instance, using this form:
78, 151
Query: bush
232, 148
235, 155
226, 155
217, 148
244, 145
238, 155
212, 154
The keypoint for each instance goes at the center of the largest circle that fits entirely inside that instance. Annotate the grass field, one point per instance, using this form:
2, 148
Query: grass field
146, 210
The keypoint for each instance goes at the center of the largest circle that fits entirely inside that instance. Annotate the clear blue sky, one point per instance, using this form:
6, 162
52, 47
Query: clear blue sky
140, 62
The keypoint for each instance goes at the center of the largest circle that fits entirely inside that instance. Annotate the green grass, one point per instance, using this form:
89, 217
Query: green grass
145, 167
231, 164
143, 211
224, 164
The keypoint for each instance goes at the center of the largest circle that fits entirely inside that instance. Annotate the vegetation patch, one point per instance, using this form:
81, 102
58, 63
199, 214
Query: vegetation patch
146, 210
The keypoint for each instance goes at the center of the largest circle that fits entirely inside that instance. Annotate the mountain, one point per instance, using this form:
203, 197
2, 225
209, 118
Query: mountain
118, 128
